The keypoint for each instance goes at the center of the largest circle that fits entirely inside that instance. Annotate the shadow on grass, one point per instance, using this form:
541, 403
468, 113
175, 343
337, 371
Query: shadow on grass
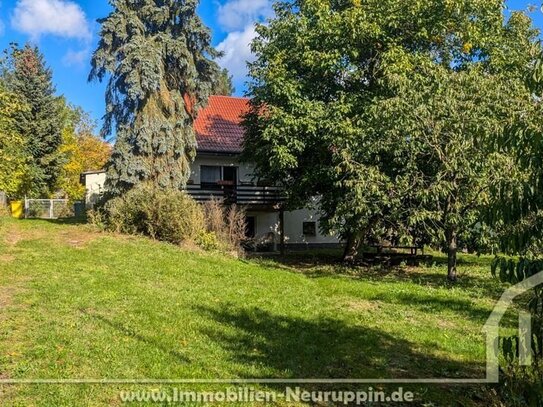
68, 221
133, 334
292, 347
429, 304
422, 276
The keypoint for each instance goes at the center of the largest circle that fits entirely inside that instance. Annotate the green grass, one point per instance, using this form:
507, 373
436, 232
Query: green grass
80, 305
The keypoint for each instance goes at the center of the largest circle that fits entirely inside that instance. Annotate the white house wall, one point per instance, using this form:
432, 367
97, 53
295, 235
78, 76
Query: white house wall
294, 229
266, 222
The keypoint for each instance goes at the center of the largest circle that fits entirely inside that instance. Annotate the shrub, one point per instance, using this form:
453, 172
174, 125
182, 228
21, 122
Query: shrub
167, 215
173, 216
4, 211
208, 241
521, 386
228, 223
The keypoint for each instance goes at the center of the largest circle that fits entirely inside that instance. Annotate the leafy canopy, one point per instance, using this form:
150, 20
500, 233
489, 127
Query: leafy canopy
81, 151
14, 161
381, 107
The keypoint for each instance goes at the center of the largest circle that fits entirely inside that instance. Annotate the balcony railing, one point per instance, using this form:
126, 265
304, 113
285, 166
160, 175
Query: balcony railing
240, 195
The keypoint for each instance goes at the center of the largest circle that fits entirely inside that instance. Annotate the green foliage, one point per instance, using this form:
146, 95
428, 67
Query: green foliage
163, 214
173, 216
208, 241
27, 76
522, 385
391, 111
14, 159
157, 56
224, 85
81, 151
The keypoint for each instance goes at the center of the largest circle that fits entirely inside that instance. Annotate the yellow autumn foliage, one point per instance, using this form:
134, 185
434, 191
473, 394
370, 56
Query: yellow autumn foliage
13, 160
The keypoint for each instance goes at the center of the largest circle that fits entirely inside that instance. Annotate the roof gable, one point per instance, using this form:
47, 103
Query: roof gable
218, 126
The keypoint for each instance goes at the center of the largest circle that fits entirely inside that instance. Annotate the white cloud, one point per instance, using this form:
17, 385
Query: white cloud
236, 48
236, 15
62, 18
76, 58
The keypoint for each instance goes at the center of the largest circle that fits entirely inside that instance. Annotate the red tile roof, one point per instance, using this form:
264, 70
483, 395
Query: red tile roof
218, 128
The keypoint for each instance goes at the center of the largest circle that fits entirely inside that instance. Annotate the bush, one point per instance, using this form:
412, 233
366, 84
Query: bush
166, 215
228, 224
173, 216
209, 241
4, 210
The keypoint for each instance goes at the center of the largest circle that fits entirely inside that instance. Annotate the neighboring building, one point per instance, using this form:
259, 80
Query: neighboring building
217, 172
94, 182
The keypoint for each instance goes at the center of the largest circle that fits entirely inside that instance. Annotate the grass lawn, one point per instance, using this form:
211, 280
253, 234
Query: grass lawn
75, 304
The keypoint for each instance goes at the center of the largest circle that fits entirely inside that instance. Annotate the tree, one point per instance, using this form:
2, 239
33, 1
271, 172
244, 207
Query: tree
158, 56
443, 126
14, 162
324, 70
224, 85
81, 151
28, 77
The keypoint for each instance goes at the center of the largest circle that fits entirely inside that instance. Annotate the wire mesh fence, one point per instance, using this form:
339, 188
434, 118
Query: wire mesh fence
47, 209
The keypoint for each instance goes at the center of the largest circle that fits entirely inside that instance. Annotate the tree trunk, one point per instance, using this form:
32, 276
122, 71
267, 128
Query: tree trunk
452, 249
351, 249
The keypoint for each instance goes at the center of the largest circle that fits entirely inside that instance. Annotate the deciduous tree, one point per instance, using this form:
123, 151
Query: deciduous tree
81, 151
326, 88
14, 161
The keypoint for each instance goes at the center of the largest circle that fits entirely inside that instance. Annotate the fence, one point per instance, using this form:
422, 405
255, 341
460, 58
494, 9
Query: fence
3, 199
47, 209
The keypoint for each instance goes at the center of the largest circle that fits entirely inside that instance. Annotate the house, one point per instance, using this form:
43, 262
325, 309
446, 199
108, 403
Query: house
217, 172
94, 182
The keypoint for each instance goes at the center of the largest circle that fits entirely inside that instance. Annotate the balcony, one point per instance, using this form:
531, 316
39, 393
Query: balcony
257, 197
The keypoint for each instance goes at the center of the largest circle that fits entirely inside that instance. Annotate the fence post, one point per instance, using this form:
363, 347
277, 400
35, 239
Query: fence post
51, 211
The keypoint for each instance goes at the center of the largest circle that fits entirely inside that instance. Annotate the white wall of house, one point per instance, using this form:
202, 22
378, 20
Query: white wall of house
265, 222
294, 229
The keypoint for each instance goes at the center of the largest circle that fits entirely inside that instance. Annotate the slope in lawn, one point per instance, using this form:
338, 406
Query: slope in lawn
81, 305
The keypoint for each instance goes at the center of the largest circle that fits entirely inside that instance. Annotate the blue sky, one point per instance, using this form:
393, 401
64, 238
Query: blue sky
66, 32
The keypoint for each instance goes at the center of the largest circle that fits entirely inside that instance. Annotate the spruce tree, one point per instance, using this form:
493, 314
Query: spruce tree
40, 124
225, 84
158, 58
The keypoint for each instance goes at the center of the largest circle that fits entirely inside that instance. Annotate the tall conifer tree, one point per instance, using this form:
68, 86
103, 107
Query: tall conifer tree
158, 56
40, 124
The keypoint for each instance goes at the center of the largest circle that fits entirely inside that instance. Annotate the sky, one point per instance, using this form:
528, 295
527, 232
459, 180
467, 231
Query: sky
66, 31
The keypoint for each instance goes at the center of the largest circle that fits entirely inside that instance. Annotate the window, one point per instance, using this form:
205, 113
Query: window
310, 228
210, 175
